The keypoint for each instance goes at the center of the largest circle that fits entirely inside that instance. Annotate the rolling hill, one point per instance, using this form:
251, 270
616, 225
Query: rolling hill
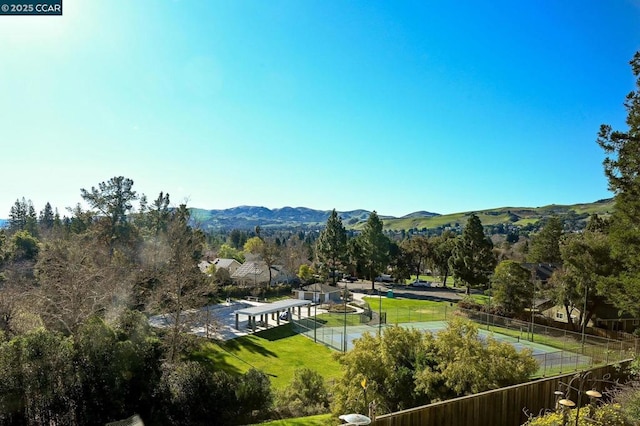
248, 217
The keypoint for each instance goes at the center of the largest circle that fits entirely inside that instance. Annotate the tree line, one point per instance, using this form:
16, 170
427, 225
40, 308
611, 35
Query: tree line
75, 293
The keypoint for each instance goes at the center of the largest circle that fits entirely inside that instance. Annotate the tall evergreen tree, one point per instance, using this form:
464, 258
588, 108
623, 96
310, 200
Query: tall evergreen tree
545, 245
472, 260
512, 287
332, 245
46, 218
375, 247
113, 199
18, 215
622, 168
32, 220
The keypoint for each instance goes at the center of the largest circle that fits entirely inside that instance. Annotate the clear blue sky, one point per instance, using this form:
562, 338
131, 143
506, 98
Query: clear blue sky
396, 106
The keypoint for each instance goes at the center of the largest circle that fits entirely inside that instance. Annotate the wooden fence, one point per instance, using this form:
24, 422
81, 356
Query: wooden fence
500, 407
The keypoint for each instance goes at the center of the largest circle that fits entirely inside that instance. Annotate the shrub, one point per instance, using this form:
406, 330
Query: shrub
306, 395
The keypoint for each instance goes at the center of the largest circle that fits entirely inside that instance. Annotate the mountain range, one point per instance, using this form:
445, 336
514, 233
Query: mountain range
248, 217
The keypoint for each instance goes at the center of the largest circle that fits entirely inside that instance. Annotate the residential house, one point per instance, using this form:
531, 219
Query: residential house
230, 265
319, 293
254, 273
541, 271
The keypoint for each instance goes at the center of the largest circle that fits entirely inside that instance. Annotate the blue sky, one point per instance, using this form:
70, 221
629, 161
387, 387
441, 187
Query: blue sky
396, 106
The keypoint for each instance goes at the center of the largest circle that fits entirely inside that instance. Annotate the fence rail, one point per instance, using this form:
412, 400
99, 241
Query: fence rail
500, 407
574, 351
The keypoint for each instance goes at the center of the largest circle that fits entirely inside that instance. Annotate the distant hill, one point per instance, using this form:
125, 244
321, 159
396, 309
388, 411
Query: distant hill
247, 217
575, 215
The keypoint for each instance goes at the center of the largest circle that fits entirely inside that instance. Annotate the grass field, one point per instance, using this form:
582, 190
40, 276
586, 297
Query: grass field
320, 420
409, 310
278, 352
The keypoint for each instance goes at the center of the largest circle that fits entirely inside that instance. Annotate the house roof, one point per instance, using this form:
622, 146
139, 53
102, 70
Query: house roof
321, 288
250, 269
224, 263
543, 271
204, 265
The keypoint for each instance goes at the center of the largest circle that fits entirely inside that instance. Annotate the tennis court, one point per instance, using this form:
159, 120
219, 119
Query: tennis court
549, 358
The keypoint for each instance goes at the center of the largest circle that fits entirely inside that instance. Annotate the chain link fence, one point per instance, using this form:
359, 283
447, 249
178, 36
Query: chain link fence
556, 350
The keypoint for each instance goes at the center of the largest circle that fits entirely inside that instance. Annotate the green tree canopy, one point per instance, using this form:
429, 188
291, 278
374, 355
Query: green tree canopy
587, 266
621, 166
307, 394
331, 246
419, 251
227, 252
305, 272
22, 216
113, 200
472, 260
545, 245
512, 287
254, 245
443, 246
405, 367
375, 247
24, 246
47, 217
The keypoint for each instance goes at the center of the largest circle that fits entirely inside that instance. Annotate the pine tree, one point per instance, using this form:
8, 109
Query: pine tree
622, 168
332, 245
375, 247
545, 245
18, 215
113, 199
46, 218
473, 260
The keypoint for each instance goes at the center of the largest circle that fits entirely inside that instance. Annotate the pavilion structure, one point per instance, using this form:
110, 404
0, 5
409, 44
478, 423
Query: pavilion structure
274, 310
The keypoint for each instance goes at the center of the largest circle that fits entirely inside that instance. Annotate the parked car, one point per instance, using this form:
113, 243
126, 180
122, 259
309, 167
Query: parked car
384, 278
420, 283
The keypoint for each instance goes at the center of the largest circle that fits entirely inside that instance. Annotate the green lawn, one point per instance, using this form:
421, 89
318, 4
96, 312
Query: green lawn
320, 420
332, 320
409, 310
277, 352
479, 298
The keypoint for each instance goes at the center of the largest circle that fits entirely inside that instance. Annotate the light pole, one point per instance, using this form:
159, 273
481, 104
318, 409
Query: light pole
344, 334
533, 297
584, 314
379, 312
